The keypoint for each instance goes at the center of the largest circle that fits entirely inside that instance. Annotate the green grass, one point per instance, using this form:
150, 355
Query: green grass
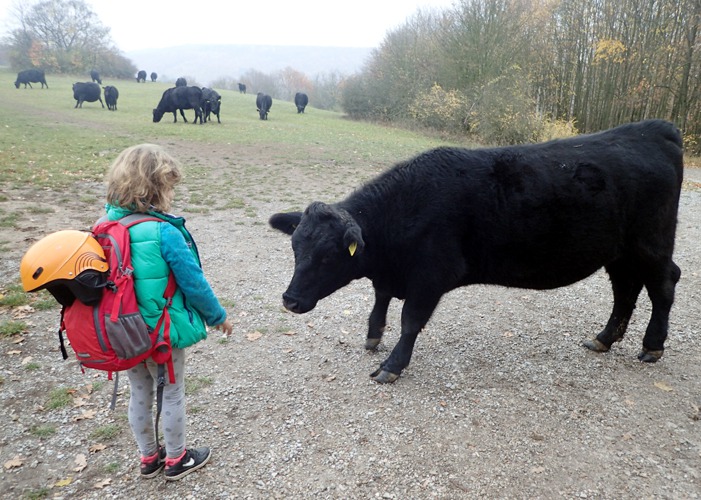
59, 398
46, 143
14, 296
42, 431
105, 432
9, 328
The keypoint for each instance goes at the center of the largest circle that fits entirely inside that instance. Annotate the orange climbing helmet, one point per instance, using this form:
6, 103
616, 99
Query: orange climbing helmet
70, 264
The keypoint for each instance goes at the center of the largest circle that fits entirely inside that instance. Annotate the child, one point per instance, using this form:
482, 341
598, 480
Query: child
142, 179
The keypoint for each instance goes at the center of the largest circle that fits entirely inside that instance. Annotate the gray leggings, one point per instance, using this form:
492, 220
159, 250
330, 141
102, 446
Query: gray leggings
142, 407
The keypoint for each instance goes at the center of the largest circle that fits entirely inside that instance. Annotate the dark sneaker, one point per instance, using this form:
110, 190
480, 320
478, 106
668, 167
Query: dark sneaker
192, 460
152, 468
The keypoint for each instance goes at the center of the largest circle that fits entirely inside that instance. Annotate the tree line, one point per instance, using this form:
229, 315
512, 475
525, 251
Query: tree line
508, 71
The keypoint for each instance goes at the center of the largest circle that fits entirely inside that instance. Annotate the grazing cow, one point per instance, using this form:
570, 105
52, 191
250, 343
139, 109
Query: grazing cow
263, 103
181, 82
154, 76
535, 216
179, 98
301, 101
86, 92
211, 103
111, 96
31, 75
242, 88
95, 77
141, 76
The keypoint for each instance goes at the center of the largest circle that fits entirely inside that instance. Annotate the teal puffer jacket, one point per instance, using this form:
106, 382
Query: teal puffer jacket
156, 249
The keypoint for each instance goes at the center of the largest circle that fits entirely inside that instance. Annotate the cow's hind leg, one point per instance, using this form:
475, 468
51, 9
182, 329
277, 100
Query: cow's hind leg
626, 285
660, 288
378, 320
415, 315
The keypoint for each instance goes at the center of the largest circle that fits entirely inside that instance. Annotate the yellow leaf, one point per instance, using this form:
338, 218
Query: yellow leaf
663, 386
81, 462
96, 447
64, 482
13, 463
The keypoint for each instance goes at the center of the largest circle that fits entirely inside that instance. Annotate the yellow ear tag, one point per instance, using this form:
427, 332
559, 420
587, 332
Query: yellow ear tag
352, 248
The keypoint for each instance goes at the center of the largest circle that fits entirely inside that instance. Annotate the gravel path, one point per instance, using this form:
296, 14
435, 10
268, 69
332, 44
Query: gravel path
500, 400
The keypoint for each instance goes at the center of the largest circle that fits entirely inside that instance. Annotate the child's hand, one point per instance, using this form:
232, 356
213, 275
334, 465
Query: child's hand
225, 327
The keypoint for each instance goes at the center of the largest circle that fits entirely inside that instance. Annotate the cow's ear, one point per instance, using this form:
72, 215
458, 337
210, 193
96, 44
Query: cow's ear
353, 240
285, 222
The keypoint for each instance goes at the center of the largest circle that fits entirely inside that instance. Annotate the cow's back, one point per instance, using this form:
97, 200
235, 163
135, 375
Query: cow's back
533, 216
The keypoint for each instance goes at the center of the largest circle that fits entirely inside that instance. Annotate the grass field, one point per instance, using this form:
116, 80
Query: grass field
48, 143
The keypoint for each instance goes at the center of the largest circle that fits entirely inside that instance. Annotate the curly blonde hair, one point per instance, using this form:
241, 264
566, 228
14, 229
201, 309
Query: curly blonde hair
143, 178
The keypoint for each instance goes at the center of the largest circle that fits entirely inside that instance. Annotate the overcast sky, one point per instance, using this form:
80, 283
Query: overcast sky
143, 24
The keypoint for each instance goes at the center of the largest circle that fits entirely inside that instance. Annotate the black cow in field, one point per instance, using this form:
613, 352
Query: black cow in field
154, 76
178, 99
301, 101
181, 82
141, 76
242, 88
536, 216
111, 96
211, 103
28, 76
95, 76
263, 103
86, 92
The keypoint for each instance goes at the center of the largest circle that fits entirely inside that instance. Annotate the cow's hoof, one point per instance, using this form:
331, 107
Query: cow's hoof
383, 377
371, 344
595, 345
650, 356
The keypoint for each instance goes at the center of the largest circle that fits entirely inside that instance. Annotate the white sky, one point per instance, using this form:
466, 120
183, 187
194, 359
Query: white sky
143, 24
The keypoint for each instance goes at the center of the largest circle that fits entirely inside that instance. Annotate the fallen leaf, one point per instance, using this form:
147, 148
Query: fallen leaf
101, 484
26, 360
254, 336
14, 353
14, 463
331, 378
627, 436
81, 462
79, 401
18, 339
97, 447
86, 415
663, 386
346, 312
538, 470
64, 482
290, 333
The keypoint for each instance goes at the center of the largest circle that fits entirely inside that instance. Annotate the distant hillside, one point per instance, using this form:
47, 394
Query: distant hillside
210, 62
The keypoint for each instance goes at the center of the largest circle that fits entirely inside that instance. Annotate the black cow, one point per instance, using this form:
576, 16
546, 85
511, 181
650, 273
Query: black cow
181, 82
301, 101
179, 98
141, 76
86, 92
154, 76
263, 103
95, 77
111, 96
242, 88
211, 103
536, 216
31, 75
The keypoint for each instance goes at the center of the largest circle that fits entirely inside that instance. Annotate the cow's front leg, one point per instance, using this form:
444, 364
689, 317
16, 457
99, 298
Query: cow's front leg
378, 320
415, 315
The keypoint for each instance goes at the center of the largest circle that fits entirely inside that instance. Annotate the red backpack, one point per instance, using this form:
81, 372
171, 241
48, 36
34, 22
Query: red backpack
112, 335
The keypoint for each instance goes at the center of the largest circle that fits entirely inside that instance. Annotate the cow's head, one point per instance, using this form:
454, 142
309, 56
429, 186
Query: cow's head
327, 243
157, 115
